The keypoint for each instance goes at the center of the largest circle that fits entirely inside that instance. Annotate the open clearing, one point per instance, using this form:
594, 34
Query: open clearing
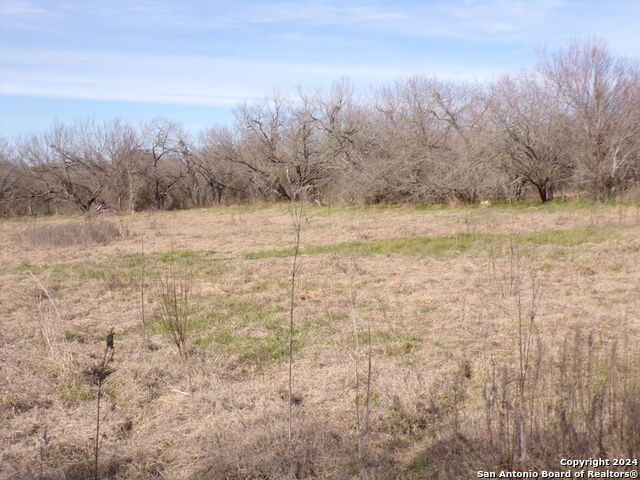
420, 280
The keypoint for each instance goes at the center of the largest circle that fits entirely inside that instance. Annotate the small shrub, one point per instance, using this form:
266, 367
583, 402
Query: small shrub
175, 310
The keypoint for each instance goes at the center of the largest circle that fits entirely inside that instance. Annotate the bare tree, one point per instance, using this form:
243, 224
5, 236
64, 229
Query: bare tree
216, 163
261, 128
307, 167
76, 167
327, 141
407, 137
8, 172
121, 148
168, 158
602, 94
281, 147
533, 131
463, 170
435, 140
86, 165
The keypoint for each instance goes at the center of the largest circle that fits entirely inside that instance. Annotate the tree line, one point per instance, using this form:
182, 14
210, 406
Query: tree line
573, 123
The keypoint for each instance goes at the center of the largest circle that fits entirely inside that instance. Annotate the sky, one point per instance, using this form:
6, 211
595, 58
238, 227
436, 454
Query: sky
195, 61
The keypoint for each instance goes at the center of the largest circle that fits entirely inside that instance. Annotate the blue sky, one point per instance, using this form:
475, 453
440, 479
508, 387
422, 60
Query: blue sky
193, 61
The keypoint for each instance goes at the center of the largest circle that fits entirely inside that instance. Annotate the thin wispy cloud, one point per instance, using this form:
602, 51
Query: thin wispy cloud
162, 78
20, 9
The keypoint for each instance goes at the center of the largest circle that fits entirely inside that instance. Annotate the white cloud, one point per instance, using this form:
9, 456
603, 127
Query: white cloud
188, 80
89, 93
158, 78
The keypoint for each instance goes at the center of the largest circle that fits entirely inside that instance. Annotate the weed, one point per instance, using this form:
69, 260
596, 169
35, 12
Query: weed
99, 373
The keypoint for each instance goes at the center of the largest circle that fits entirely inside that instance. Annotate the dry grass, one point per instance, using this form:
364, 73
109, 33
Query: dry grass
442, 338
88, 232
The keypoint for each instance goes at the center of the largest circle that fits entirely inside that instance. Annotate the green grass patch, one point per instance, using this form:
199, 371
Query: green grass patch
57, 268
25, 267
238, 328
557, 205
248, 331
126, 270
558, 253
428, 308
285, 252
260, 287
272, 348
176, 256
395, 345
74, 392
439, 247
546, 267
252, 348
566, 238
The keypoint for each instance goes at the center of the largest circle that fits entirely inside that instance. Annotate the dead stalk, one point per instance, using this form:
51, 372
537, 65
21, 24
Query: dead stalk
356, 353
367, 405
142, 285
362, 417
47, 293
297, 216
100, 372
47, 325
43, 445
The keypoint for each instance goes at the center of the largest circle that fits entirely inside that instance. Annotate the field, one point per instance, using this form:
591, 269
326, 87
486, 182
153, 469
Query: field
427, 343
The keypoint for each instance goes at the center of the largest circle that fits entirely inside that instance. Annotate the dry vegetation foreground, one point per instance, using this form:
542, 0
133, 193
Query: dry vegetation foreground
428, 343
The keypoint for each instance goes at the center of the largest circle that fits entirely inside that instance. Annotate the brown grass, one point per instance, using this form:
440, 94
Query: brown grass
87, 232
444, 344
